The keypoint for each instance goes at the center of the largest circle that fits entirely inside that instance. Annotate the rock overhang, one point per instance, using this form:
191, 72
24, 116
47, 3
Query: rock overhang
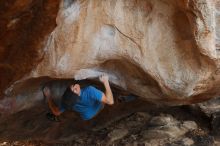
163, 51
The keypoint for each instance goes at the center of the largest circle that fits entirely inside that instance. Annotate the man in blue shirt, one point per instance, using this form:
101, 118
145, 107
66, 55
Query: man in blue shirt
87, 101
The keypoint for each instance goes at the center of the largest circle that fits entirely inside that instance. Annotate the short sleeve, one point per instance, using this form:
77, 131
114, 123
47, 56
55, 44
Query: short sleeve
95, 93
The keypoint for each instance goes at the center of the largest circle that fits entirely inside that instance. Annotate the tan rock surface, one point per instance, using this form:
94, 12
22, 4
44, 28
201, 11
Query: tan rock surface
155, 49
161, 50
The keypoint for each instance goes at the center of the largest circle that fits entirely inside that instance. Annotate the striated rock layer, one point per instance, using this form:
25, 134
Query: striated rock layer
165, 51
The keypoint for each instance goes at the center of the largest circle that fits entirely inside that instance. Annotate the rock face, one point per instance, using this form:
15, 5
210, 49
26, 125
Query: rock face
165, 51
24, 28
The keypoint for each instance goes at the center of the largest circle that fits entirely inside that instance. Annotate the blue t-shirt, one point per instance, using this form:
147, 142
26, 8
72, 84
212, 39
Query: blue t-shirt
89, 104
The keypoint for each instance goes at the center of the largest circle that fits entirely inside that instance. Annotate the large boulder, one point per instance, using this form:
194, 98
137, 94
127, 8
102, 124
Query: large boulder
163, 51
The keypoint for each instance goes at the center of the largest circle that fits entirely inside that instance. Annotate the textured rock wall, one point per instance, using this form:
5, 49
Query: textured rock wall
24, 27
161, 50
156, 49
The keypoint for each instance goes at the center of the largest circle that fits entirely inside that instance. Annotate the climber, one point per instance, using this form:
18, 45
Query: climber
87, 101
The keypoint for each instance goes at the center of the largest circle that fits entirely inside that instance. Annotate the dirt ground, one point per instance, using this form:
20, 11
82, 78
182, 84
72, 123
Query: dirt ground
126, 123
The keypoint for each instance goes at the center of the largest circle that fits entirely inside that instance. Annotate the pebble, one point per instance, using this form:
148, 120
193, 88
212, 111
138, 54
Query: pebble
187, 142
117, 134
190, 125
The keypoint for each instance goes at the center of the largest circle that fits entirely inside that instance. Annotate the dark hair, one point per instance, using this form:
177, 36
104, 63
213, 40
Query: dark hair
69, 99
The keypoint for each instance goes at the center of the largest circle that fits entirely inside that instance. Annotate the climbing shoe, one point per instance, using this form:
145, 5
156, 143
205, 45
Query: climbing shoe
52, 117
